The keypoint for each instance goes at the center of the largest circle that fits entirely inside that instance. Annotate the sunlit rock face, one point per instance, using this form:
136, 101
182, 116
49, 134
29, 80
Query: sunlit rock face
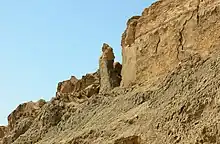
87, 86
110, 72
167, 33
20, 120
169, 93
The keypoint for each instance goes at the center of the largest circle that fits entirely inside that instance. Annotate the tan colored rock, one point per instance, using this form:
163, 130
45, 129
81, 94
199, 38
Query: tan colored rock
78, 90
3, 131
128, 37
20, 120
67, 86
26, 110
167, 33
170, 86
107, 52
88, 80
91, 90
109, 76
128, 140
129, 54
74, 85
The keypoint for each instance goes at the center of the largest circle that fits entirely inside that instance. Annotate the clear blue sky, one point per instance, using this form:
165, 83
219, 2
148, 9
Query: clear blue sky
43, 42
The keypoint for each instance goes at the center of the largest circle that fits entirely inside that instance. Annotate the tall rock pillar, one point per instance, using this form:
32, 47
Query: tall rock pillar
110, 72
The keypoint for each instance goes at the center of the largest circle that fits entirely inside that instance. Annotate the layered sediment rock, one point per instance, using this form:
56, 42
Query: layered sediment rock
169, 92
166, 34
128, 53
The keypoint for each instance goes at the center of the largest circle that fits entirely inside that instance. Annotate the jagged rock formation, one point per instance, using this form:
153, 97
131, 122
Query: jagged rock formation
3, 131
110, 72
20, 120
169, 92
33, 120
74, 89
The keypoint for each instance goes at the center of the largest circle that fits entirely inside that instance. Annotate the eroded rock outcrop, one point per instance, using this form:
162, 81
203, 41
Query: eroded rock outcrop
128, 37
129, 54
26, 110
166, 34
74, 88
67, 86
169, 92
3, 131
110, 72
20, 120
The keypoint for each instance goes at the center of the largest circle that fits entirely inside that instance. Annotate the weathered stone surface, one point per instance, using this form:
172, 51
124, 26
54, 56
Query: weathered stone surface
3, 131
129, 55
128, 140
109, 72
117, 71
169, 93
67, 86
26, 110
21, 119
128, 36
75, 85
73, 89
167, 33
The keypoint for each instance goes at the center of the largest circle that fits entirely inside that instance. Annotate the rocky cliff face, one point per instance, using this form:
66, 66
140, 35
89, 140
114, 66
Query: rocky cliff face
167, 33
165, 92
20, 120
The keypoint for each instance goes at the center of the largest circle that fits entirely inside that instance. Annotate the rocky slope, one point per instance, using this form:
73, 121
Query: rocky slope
165, 92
